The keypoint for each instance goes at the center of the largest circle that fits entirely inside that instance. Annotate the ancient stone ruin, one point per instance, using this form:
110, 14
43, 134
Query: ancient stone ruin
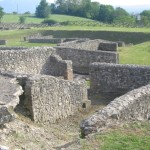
42, 78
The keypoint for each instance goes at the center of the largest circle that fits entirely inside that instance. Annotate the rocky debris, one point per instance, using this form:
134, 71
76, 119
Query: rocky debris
10, 91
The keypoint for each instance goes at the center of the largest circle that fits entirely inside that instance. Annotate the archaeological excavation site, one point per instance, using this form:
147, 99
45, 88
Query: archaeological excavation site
51, 84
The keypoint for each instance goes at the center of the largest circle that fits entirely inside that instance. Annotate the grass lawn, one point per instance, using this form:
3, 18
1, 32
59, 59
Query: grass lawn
134, 136
31, 19
136, 54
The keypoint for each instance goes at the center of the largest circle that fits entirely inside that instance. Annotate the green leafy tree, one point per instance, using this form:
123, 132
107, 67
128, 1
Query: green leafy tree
120, 12
106, 13
1, 13
146, 13
43, 10
94, 12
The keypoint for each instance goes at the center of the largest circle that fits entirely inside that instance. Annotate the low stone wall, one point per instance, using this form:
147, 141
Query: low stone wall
108, 46
59, 67
30, 61
36, 60
134, 105
50, 99
115, 78
127, 37
13, 48
86, 45
3, 42
45, 40
82, 58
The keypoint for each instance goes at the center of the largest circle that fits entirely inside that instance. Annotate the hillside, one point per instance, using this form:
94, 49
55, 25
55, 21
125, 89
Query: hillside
31, 19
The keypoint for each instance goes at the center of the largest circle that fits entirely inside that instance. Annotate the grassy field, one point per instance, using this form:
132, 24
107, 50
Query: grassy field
31, 19
8, 18
136, 54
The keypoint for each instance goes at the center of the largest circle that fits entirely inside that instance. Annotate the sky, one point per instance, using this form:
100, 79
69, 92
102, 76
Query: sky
119, 2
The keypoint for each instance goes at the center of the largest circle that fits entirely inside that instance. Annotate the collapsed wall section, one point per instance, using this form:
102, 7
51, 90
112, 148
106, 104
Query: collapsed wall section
81, 59
116, 78
10, 91
134, 105
50, 99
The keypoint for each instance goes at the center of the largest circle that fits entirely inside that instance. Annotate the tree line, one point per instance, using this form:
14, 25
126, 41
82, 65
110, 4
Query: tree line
97, 11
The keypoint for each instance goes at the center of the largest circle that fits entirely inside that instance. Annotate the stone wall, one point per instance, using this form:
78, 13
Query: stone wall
30, 61
48, 39
12, 48
59, 67
134, 105
45, 40
82, 58
108, 46
47, 98
86, 45
115, 78
127, 37
35, 61
50, 99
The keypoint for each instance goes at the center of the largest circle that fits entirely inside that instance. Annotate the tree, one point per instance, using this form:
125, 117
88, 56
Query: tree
106, 13
120, 12
1, 13
94, 12
43, 10
146, 13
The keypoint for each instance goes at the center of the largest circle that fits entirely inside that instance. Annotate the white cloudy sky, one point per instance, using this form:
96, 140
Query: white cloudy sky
119, 2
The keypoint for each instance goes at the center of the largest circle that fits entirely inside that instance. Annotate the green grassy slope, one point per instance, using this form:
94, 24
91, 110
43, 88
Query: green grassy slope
8, 18
31, 19
136, 54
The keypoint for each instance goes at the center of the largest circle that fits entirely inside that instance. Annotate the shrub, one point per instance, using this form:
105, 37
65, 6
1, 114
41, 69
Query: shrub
22, 19
50, 22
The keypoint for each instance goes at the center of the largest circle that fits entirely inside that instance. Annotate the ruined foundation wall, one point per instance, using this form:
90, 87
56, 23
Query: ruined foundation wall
116, 78
134, 105
45, 40
51, 99
12, 48
108, 46
81, 59
85, 45
59, 67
